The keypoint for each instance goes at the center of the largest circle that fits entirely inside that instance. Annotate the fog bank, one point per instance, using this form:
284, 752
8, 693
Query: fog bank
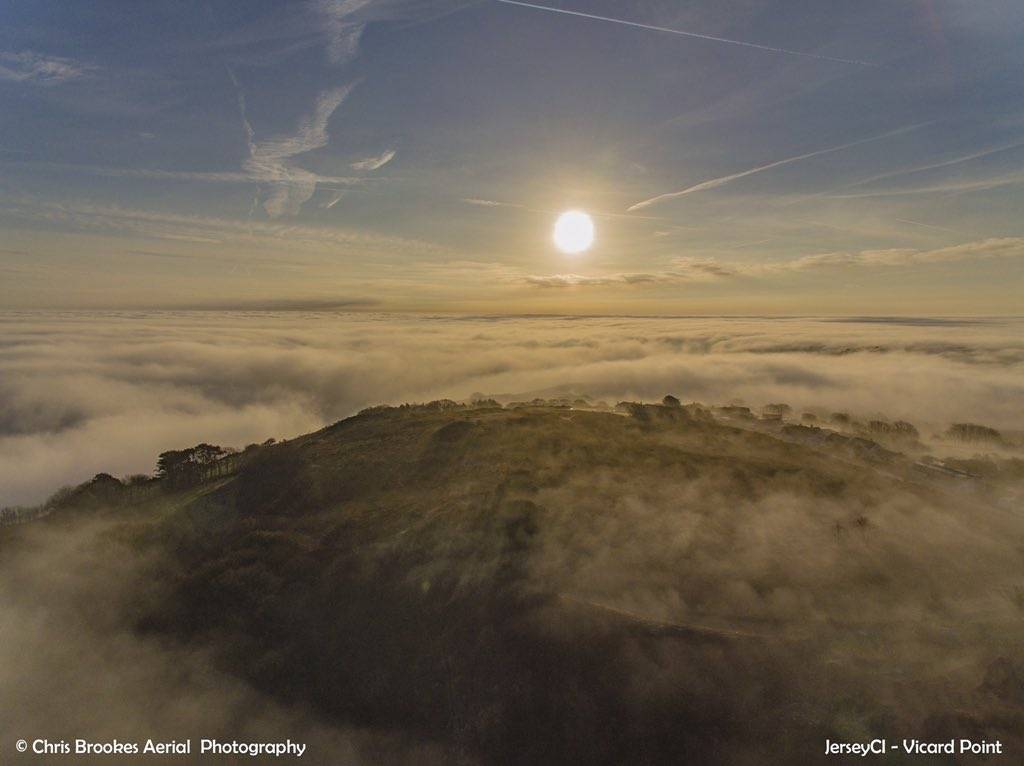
82, 392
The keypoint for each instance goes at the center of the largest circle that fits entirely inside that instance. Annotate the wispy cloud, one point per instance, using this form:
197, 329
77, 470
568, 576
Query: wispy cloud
250, 134
939, 165
201, 176
575, 280
288, 186
1001, 247
270, 162
488, 202
682, 271
38, 69
950, 187
374, 163
333, 201
274, 163
689, 270
702, 269
284, 304
683, 33
344, 31
925, 225
192, 228
984, 249
714, 183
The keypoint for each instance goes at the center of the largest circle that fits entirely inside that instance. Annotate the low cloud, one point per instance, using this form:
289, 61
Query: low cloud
70, 634
87, 392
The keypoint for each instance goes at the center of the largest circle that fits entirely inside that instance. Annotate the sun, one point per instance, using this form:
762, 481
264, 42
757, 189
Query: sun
574, 232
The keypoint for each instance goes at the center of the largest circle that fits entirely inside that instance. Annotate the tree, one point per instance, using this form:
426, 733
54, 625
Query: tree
972, 432
174, 467
187, 467
900, 428
671, 401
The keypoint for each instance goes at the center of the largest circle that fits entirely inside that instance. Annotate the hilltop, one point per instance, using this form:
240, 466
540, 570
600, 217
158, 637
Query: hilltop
550, 583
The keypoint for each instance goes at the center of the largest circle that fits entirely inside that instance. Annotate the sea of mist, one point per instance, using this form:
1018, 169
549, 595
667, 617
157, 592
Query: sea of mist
83, 392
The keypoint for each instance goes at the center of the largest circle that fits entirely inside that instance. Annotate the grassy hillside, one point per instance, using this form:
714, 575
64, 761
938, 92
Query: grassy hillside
542, 584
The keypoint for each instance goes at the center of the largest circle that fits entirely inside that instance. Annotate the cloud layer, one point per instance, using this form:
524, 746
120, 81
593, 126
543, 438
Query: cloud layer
82, 393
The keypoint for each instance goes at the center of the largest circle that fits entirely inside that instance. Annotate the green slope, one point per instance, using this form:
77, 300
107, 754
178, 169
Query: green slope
551, 585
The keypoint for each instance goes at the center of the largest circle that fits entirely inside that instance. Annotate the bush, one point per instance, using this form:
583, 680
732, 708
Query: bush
900, 428
972, 432
488, 404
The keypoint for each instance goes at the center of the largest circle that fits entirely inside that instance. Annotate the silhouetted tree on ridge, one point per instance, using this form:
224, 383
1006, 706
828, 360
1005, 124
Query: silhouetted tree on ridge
187, 467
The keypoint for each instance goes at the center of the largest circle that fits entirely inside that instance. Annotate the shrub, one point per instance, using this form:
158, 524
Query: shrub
972, 432
489, 404
900, 428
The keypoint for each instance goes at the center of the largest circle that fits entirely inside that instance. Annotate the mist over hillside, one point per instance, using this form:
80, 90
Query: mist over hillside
76, 386
549, 582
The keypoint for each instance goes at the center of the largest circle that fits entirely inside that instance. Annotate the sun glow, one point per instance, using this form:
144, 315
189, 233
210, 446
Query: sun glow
574, 232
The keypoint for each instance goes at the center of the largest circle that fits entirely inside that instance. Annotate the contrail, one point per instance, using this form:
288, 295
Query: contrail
927, 225
716, 182
937, 165
697, 35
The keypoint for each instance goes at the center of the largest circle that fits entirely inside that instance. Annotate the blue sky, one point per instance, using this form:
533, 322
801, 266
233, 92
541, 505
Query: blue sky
867, 157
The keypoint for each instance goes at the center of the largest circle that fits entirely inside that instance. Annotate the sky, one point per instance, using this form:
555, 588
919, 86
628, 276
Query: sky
737, 156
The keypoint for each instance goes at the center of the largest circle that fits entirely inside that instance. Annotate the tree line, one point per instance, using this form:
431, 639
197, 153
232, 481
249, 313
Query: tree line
191, 466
